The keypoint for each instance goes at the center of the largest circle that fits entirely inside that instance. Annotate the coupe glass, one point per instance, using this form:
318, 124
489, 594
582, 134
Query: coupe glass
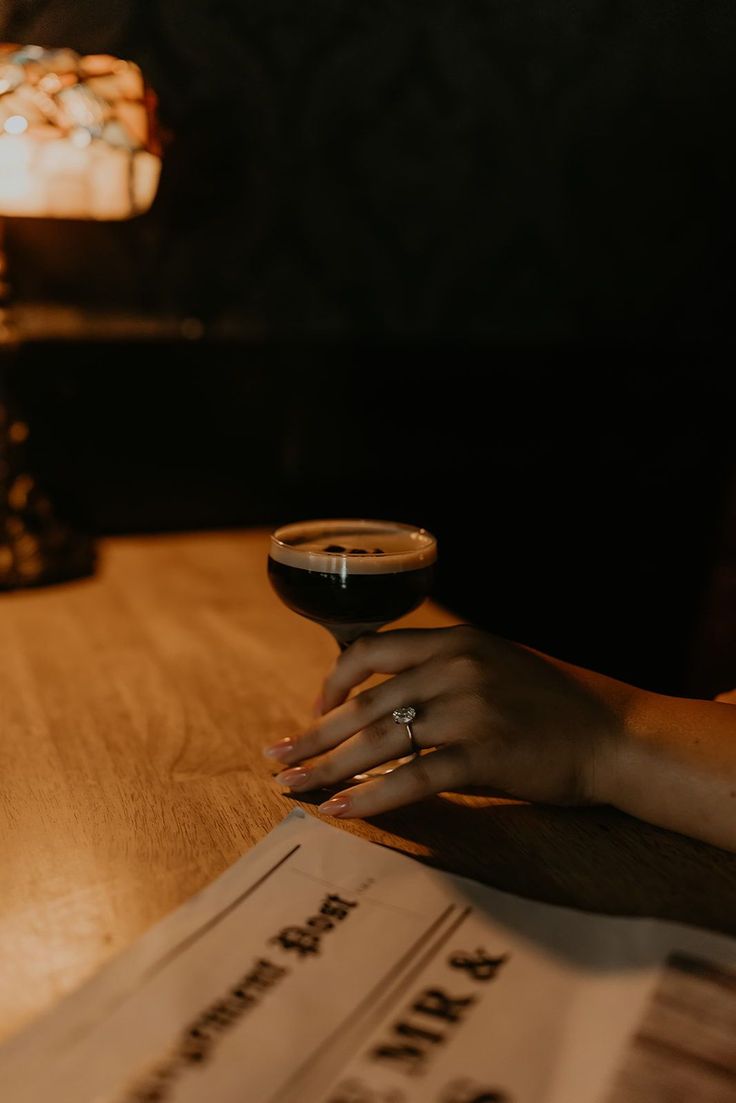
352, 576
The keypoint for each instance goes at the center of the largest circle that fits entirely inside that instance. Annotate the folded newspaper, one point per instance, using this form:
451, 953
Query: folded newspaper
323, 968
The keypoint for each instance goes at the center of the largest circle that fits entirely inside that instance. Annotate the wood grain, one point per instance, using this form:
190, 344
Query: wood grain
133, 710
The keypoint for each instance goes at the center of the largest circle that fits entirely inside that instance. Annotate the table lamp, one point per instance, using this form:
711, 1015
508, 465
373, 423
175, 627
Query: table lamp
78, 141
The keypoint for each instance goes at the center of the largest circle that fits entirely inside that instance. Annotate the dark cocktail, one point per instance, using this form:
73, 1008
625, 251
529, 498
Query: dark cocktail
351, 576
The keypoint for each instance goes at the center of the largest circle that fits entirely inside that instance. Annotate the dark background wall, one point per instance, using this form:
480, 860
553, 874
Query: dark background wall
466, 264
488, 168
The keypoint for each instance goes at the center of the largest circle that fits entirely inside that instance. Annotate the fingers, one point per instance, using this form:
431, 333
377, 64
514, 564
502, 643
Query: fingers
381, 653
414, 687
442, 770
379, 743
438, 723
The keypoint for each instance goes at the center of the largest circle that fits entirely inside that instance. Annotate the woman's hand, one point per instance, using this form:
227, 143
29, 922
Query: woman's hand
489, 713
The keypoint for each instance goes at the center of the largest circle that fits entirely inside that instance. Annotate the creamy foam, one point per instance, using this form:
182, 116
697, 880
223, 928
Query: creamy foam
353, 547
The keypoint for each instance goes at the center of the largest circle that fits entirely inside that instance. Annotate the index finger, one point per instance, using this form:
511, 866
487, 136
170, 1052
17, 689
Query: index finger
380, 653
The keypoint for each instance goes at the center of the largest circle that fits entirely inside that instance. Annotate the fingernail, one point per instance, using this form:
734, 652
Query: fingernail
280, 749
290, 778
318, 706
335, 806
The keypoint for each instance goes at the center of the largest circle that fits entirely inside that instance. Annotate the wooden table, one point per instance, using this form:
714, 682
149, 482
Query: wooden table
133, 709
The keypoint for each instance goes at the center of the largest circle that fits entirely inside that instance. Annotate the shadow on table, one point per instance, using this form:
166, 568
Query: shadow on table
596, 859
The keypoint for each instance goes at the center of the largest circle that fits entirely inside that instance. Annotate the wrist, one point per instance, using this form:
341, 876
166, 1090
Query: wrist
620, 753
668, 760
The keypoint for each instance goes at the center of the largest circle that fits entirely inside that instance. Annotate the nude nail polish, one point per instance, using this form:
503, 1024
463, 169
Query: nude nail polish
280, 749
290, 778
335, 806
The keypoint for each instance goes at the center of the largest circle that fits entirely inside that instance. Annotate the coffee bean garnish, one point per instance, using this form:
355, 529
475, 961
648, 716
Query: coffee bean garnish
338, 549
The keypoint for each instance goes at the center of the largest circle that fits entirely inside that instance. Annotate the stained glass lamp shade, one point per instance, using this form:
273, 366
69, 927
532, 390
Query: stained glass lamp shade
77, 135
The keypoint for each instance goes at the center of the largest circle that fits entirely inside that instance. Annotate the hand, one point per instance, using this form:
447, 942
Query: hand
489, 713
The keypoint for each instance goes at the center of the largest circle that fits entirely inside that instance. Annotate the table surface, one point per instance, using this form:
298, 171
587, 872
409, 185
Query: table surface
133, 710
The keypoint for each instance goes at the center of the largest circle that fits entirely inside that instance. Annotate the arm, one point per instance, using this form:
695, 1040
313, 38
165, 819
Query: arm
492, 713
675, 765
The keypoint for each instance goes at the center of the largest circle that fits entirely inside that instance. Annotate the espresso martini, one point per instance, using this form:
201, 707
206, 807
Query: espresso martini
351, 576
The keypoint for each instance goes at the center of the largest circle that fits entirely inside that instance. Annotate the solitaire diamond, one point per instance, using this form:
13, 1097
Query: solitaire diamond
405, 715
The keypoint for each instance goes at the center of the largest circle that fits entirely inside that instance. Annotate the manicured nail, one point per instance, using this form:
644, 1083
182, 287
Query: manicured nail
280, 749
318, 706
291, 778
335, 806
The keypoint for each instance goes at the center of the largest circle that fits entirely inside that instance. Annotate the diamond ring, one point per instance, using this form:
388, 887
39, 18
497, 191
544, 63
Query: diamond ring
405, 716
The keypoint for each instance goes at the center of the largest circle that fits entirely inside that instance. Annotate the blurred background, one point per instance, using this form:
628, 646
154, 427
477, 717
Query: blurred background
468, 264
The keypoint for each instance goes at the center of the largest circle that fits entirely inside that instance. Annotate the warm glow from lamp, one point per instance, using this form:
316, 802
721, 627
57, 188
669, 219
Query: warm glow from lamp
77, 135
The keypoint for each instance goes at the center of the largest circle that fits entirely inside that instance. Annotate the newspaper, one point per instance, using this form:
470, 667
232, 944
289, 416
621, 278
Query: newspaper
324, 968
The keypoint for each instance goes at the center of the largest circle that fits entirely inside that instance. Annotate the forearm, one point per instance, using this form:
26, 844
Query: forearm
676, 767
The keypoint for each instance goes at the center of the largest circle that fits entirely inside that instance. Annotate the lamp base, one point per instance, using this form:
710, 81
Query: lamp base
36, 547
33, 556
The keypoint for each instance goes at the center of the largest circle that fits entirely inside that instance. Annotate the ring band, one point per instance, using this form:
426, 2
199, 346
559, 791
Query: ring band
405, 716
